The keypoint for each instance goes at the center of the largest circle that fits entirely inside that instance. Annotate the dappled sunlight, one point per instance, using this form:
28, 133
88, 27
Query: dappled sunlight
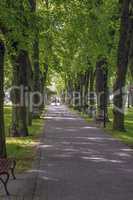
23, 142
36, 171
86, 146
121, 154
127, 150
127, 136
100, 159
71, 130
48, 178
45, 146
68, 129
73, 147
60, 118
100, 139
61, 155
66, 99
71, 150
23, 148
67, 150
65, 143
58, 128
88, 127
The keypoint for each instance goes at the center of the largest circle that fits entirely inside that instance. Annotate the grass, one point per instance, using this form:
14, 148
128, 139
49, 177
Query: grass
82, 114
125, 136
23, 149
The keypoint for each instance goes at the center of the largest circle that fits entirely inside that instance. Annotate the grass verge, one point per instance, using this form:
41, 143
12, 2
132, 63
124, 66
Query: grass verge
127, 136
23, 149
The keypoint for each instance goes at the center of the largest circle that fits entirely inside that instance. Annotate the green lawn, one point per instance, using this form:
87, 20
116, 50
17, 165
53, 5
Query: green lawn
23, 149
126, 137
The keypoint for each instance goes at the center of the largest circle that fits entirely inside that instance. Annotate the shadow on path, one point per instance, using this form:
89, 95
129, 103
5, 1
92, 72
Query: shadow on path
78, 162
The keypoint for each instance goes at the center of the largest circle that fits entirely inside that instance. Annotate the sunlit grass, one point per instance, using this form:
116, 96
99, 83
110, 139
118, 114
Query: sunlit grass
82, 114
127, 136
23, 149
85, 116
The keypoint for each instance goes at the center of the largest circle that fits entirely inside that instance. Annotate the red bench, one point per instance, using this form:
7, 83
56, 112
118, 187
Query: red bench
7, 166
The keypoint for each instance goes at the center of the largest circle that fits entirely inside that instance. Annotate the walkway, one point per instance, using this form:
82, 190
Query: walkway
80, 162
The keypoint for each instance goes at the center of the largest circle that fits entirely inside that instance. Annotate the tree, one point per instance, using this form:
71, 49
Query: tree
122, 66
102, 87
2, 126
18, 49
131, 43
35, 58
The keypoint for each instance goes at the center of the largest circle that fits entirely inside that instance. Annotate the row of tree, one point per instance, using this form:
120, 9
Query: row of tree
89, 44
21, 25
95, 52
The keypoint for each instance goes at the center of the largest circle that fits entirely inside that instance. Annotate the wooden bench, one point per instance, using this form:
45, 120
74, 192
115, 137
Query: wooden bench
7, 166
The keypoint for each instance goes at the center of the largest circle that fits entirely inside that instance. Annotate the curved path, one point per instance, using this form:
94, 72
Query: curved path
80, 162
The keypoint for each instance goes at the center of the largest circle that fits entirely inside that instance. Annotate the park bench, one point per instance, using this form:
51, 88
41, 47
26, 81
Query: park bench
7, 166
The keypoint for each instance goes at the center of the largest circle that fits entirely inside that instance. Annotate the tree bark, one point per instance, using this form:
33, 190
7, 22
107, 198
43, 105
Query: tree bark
86, 92
131, 43
82, 84
20, 81
122, 66
101, 88
70, 92
36, 65
91, 93
30, 89
37, 78
77, 96
2, 125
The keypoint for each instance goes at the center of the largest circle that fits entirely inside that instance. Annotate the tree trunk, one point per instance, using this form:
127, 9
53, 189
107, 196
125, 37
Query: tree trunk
131, 58
20, 80
101, 88
91, 93
122, 66
45, 73
77, 93
37, 81
70, 92
23, 81
29, 74
82, 83
86, 91
36, 64
15, 97
43, 85
131, 43
2, 126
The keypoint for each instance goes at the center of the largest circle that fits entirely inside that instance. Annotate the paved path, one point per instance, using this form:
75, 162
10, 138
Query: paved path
79, 162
